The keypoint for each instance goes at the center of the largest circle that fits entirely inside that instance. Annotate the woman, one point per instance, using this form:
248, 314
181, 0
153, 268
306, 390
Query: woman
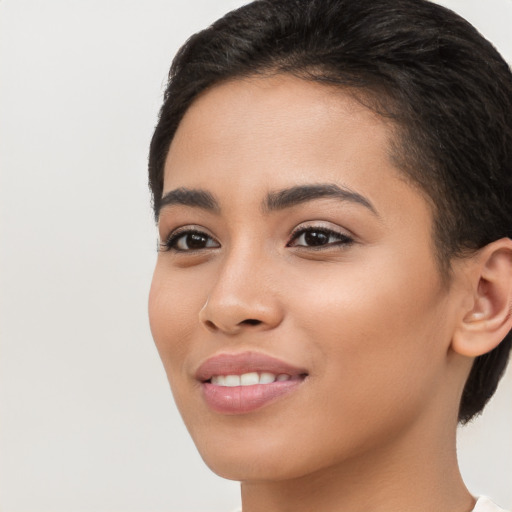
333, 291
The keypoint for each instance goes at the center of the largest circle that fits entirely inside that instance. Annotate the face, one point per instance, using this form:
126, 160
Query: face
296, 297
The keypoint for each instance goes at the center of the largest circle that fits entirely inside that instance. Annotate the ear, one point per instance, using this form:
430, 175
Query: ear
489, 317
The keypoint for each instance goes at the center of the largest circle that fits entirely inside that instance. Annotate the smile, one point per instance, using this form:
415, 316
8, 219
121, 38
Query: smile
242, 383
249, 379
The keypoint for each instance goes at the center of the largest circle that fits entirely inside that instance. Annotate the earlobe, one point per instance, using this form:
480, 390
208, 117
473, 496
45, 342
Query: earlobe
489, 319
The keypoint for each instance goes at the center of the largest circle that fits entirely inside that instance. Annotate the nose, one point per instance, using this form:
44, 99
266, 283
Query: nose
242, 297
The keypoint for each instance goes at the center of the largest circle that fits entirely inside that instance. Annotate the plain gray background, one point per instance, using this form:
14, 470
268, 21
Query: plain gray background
87, 420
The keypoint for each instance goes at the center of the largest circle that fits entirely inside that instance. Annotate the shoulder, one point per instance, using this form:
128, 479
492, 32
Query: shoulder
484, 504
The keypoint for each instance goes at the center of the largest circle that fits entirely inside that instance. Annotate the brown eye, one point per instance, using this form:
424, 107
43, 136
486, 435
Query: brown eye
316, 237
190, 241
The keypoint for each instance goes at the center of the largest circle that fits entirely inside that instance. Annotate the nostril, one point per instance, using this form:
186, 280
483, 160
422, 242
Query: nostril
210, 325
251, 321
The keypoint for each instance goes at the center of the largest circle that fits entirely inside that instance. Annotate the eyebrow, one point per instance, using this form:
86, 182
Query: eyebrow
189, 197
302, 193
278, 200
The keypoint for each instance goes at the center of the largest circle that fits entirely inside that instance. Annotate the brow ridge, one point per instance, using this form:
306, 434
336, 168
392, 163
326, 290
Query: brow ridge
293, 196
276, 200
195, 198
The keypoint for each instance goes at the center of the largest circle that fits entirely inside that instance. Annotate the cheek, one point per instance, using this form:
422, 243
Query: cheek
173, 316
376, 323
370, 345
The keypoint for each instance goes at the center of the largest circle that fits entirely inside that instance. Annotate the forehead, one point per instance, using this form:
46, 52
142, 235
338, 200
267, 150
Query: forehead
257, 135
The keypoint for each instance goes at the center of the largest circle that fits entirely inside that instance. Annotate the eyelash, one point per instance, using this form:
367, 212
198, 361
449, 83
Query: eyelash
342, 240
170, 244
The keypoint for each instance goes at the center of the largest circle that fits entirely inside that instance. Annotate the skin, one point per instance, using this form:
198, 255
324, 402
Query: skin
373, 425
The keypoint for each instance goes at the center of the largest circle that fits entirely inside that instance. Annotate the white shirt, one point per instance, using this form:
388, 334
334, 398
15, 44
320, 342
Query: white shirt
483, 504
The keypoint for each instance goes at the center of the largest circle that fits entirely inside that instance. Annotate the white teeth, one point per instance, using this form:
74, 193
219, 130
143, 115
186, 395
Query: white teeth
231, 381
248, 379
267, 378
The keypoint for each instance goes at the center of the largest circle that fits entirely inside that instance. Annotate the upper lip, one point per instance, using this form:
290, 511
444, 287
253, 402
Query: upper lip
245, 362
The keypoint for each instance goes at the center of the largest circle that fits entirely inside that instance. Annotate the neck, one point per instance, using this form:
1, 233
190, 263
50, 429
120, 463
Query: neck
418, 472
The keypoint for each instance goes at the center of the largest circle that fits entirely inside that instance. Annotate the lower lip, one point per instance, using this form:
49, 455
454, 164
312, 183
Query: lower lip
244, 399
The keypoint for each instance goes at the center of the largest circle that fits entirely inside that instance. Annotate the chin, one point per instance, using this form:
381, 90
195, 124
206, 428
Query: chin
273, 453
243, 455
253, 467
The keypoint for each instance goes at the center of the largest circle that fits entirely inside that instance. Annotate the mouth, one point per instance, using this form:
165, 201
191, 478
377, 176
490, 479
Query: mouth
242, 383
250, 379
